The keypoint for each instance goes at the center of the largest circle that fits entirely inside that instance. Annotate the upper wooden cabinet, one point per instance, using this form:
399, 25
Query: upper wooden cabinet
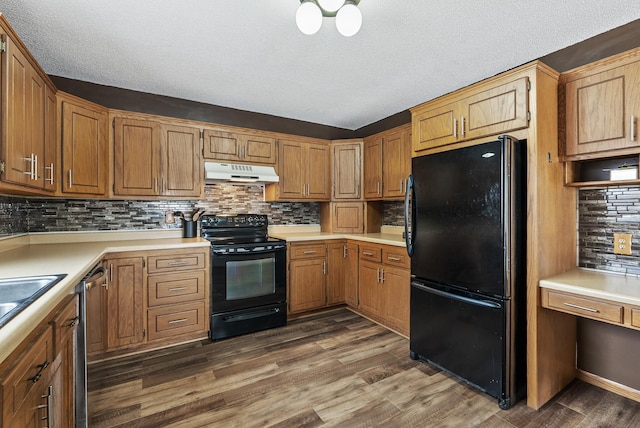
387, 163
236, 147
85, 158
602, 106
156, 159
304, 170
489, 108
27, 145
347, 170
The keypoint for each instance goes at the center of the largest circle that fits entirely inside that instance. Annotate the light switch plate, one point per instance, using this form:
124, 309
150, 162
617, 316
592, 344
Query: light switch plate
622, 243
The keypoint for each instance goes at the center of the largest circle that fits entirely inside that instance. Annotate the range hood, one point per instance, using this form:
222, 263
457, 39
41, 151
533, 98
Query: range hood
233, 173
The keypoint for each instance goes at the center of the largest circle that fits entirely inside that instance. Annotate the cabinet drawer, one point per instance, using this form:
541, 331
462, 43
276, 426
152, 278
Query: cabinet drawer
307, 251
31, 371
177, 260
396, 257
594, 309
635, 317
64, 323
176, 288
175, 320
371, 253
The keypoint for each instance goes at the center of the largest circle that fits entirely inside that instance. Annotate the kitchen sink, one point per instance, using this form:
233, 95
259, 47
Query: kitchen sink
18, 293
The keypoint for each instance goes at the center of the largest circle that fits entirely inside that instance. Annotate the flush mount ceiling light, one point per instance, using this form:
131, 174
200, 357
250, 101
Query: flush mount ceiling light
348, 17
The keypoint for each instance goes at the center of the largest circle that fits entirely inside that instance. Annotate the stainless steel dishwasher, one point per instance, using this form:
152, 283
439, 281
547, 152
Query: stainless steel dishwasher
94, 277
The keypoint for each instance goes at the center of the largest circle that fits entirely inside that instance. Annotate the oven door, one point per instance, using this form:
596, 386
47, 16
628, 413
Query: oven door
247, 280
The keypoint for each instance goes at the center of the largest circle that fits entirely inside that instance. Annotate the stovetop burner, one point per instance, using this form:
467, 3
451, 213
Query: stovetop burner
239, 229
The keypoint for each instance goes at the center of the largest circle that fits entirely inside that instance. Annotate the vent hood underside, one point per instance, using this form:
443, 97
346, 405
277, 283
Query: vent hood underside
216, 172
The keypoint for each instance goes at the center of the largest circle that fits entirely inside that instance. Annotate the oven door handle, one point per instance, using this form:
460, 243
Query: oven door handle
247, 316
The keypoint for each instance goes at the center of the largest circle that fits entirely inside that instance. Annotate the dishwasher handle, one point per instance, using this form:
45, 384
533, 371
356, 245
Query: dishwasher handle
96, 274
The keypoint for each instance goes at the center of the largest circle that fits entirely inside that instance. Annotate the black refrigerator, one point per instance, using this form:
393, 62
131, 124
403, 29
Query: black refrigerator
465, 219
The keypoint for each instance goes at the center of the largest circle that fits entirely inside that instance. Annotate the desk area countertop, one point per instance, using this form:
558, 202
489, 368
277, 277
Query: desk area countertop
389, 235
73, 254
613, 287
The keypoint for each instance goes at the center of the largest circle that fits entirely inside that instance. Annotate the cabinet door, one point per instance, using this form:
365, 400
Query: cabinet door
499, 109
16, 149
395, 297
396, 164
600, 109
291, 170
136, 157
50, 141
318, 169
350, 269
258, 149
221, 145
181, 175
125, 307
435, 128
35, 125
369, 292
347, 170
96, 321
84, 150
335, 276
372, 168
348, 217
307, 284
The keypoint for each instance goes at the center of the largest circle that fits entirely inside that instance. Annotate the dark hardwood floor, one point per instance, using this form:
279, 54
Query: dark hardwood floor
330, 369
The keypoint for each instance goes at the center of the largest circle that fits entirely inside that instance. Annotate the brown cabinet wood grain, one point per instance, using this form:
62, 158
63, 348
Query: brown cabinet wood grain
50, 173
125, 306
85, 156
387, 163
347, 170
237, 147
156, 159
305, 172
350, 272
372, 167
493, 107
335, 272
342, 217
176, 287
308, 284
602, 105
176, 320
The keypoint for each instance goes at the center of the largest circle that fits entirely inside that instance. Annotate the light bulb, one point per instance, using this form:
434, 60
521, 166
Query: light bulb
309, 18
348, 19
330, 5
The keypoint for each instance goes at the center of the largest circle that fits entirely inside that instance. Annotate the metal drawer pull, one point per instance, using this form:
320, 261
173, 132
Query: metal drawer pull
41, 368
395, 259
309, 252
177, 288
73, 321
366, 253
455, 128
70, 179
462, 126
180, 263
178, 321
584, 308
50, 167
633, 128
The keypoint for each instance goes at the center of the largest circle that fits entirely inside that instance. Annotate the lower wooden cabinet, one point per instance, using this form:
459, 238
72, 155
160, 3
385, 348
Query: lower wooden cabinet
308, 284
151, 299
37, 381
336, 254
384, 285
350, 273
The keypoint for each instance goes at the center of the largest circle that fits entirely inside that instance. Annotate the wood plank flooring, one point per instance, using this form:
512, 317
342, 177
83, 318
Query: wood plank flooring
330, 369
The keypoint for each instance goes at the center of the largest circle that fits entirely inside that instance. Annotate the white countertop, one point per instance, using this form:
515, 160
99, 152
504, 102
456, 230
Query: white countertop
390, 235
73, 254
598, 284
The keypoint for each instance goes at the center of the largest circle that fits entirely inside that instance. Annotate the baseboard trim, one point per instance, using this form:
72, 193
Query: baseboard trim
609, 385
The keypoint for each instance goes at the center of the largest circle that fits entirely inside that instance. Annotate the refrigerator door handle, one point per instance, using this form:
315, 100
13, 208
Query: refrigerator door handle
409, 237
483, 303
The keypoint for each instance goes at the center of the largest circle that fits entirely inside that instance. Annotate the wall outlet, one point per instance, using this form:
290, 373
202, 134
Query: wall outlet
622, 243
169, 217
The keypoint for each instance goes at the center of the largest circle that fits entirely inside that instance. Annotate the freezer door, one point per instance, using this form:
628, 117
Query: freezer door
461, 333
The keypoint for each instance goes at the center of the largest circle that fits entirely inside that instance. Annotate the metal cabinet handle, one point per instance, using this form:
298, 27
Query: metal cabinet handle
309, 252
395, 259
31, 173
632, 130
378, 275
155, 184
324, 267
344, 251
455, 128
70, 179
366, 253
584, 308
177, 321
462, 126
73, 322
177, 288
382, 275
50, 168
35, 167
378, 187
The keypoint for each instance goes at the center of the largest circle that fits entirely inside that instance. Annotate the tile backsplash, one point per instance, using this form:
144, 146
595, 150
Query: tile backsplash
601, 213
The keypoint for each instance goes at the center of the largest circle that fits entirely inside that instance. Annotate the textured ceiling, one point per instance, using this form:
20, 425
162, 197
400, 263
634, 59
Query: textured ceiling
249, 54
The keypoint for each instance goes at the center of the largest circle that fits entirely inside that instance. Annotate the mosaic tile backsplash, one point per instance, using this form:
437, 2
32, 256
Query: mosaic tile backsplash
601, 213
